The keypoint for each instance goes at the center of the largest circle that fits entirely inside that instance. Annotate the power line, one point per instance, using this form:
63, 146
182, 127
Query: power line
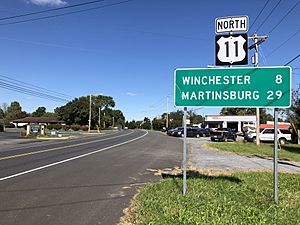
292, 60
283, 17
259, 14
283, 43
31, 92
64, 14
268, 16
50, 10
33, 87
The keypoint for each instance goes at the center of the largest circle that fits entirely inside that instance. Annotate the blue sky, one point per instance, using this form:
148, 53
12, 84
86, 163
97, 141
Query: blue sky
130, 51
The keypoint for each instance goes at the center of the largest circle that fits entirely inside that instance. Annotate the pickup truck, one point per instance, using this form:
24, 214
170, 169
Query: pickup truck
222, 134
267, 134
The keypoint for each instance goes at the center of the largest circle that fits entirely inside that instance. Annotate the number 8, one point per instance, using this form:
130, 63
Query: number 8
278, 79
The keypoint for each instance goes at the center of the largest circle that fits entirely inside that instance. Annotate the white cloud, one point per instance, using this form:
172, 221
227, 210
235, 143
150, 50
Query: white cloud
131, 94
49, 2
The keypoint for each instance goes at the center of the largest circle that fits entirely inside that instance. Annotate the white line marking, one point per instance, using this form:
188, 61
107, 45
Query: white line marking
71, 159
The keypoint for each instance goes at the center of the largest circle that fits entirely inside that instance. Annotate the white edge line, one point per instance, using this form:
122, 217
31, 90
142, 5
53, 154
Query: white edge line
70, 159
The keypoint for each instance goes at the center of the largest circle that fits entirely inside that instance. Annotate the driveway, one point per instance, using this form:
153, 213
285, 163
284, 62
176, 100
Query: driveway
204, 158
12, 136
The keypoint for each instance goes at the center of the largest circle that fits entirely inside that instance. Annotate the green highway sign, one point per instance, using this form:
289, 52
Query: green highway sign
268, 87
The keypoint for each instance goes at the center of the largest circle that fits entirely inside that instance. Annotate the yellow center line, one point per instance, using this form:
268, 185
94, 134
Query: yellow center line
59, 148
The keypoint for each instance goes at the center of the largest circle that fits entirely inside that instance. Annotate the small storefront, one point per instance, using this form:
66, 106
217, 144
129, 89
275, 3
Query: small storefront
234, 122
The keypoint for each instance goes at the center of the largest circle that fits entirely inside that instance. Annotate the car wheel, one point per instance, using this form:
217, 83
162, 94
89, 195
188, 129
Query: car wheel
197, 135
212, 139
254, 139
182, 135
282, 141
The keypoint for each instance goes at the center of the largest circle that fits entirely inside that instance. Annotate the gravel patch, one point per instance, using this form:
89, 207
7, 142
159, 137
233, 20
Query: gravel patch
201, 157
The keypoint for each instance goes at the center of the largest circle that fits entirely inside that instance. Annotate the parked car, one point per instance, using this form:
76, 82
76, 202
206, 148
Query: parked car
191, 132
267, 134
203, 132
178, 132
222, 134
171, 132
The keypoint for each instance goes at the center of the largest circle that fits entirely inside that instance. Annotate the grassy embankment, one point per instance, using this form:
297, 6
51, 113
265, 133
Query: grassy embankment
240, 198
286, 152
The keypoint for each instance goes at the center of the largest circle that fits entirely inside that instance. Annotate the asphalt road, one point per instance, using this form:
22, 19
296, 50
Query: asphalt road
86, 181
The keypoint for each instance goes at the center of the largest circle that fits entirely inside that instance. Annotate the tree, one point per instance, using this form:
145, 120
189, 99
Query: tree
293, 113
1, 114
119, 118
194, 118
14, 111
175, 118
39, 112
132, 124
111, 117
77, 111
158, 124
2, 117
146, 124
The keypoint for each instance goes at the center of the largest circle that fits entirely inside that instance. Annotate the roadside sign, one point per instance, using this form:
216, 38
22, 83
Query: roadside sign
268, 87
232, 24
231, 49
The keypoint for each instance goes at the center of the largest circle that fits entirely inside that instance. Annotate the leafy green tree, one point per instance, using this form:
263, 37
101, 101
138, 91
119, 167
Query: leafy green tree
293, 113
14, 111
175, 118
1, 113
194, 118
39, 112
146, 124
119, 118
110, 116
132, 124
2, 117
50, 115
77, 111
158, 124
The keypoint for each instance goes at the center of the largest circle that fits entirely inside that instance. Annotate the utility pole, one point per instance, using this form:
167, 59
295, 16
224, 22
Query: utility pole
104, 120
90, 114
167, 119
257, 41
99, 121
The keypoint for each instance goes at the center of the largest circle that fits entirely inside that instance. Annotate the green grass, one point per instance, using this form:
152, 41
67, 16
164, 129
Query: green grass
288, 152
241, 198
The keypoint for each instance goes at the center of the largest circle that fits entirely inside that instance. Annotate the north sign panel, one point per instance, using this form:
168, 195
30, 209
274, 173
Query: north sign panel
232, 24
233, 87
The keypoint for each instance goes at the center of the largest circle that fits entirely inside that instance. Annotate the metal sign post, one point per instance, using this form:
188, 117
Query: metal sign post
276, 155
184, 150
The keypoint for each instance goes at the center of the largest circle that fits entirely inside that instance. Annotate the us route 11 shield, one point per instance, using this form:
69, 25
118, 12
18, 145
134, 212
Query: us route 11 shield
232, 49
